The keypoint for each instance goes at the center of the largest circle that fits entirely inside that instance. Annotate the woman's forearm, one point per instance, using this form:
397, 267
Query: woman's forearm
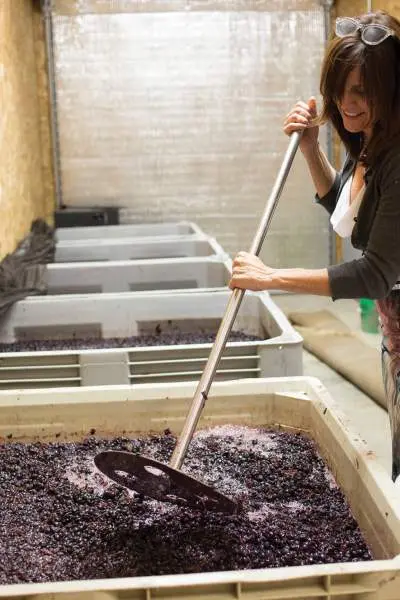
321, 170
250, 273
301, 281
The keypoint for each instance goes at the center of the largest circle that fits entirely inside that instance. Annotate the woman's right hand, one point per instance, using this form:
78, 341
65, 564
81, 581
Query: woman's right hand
299, 119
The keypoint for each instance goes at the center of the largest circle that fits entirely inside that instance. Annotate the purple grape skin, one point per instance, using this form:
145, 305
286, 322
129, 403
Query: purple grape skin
53, 530
162, 339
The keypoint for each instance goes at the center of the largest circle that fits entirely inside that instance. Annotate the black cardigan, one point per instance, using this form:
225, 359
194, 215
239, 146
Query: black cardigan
376, 231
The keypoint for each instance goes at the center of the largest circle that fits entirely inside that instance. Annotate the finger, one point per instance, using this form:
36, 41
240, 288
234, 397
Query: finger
298, 118
236, 263
312, 105
301, 105
239, 259
236, 285
294, 127
305, 112
237, 272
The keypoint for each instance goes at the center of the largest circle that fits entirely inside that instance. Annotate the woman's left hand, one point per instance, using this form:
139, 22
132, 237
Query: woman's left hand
250, 273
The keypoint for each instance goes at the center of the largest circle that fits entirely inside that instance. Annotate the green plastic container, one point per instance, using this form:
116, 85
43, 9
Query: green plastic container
369, 316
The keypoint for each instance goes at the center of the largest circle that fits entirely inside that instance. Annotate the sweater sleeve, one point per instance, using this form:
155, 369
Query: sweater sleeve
374, 274
329, 200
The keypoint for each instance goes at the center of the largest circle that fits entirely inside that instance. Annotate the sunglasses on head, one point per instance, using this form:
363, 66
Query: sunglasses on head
371, 34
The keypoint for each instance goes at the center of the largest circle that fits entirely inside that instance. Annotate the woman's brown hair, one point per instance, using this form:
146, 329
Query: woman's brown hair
380, 78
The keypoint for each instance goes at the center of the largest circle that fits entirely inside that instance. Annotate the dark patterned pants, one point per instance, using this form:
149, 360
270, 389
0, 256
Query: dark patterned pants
389, 313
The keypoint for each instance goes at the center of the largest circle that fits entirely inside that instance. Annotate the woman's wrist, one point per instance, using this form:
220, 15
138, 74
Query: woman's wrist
311, 151
276, 280
322, 172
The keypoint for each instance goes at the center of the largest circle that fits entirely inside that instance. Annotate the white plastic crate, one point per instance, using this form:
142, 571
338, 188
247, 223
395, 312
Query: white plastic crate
138, 275
129, 216
298, 404
125, 248
132, 231
279, 353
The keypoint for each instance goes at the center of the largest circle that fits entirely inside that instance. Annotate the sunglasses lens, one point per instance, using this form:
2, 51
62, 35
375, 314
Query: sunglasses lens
374, 34
345, 27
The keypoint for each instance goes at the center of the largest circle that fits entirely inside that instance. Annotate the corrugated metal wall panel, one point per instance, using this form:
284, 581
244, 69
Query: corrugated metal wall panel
175, 110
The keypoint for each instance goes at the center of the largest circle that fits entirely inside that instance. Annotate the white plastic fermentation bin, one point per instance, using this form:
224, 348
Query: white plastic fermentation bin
138, 275
277, 353
298, 404
132, 231
125, 248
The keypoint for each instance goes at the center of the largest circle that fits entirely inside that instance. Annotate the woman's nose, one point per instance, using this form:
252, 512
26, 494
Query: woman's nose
348, 100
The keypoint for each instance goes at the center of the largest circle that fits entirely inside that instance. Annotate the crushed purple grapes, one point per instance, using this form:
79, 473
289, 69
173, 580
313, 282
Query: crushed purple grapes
61, 519
154, 339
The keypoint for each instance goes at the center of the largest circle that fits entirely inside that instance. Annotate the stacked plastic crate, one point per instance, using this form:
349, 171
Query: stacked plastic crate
131, 280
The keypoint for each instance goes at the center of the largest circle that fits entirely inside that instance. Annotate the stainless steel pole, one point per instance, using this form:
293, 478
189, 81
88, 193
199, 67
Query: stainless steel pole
48, 20
327, 8
233, 306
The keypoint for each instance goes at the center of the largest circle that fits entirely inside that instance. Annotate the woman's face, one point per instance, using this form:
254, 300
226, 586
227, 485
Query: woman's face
353, 106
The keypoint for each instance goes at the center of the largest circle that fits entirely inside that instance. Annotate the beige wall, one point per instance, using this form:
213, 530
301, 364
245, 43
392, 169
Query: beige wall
177, 114
25, 167
26, 178
356, 7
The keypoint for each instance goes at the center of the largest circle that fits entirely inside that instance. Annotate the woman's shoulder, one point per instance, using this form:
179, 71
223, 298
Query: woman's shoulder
387, 169
391, 156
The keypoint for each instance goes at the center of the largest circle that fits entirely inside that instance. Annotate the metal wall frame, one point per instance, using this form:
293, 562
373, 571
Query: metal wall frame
55, 137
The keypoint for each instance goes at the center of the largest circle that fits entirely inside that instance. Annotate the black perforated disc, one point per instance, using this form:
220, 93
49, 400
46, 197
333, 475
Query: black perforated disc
159, 481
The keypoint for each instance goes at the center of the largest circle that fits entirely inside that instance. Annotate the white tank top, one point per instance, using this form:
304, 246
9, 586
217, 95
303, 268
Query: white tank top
342, 218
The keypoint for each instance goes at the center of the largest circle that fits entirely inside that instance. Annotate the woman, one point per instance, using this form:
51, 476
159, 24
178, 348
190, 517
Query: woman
360, 88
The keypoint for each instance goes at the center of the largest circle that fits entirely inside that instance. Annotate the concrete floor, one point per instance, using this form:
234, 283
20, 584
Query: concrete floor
364, 416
